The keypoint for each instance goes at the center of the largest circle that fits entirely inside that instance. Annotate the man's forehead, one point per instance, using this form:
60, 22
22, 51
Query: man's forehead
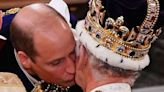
55, 34
48, 44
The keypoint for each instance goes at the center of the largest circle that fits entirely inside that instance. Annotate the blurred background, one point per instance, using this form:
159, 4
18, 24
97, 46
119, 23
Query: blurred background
151, 78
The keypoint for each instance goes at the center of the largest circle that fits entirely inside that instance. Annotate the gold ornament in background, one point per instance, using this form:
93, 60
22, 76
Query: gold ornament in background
37, 89
10, 82
12, 11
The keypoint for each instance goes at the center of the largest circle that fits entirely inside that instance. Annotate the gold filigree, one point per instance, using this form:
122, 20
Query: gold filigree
133, 43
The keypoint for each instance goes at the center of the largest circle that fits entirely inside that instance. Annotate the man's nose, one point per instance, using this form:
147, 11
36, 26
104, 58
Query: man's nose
70, 68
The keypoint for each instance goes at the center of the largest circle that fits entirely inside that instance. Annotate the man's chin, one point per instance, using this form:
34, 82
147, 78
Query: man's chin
69, 83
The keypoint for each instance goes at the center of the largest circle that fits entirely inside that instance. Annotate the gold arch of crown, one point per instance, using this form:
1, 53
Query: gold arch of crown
133, 44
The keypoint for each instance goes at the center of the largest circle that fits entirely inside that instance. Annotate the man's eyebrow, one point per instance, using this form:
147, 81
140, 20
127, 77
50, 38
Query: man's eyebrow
51, 61
58, 59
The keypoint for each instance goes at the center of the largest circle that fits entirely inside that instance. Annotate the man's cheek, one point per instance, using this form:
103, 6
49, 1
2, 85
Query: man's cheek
80, 79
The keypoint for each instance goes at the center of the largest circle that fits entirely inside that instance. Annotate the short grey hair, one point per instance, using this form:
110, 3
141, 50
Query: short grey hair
103, 68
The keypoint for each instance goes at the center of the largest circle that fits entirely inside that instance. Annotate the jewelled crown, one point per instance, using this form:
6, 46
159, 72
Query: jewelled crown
132, 43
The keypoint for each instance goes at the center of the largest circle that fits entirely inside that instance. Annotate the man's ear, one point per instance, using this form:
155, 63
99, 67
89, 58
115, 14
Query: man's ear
25, 60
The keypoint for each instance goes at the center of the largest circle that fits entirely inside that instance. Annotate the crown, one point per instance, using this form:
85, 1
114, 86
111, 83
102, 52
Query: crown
134, 43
